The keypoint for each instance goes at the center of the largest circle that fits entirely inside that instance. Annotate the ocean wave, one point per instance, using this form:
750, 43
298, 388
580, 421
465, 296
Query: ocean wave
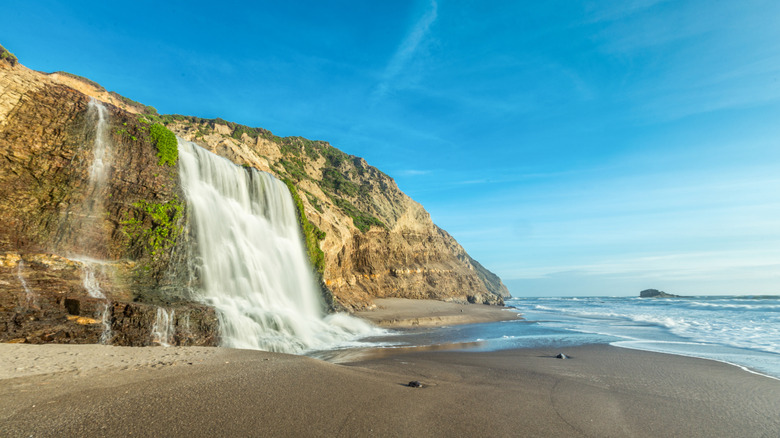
736, 322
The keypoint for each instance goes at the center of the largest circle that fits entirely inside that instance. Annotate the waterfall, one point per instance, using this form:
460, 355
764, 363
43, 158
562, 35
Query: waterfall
164, 327
101, 151
91, 236
89, 281
255, 270
105, 319
88, 234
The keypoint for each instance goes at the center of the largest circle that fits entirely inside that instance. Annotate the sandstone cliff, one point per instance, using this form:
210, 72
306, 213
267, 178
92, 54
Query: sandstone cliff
374, 240
54, 225
377, 242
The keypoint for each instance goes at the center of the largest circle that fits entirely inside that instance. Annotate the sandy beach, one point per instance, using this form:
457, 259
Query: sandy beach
93, 390
600, 391
403, 313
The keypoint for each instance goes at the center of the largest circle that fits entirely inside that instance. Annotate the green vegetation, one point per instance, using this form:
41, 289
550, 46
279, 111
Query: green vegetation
295, 168
167, 146
161, 235
124, 132
361, 220
314, 202
334, 181
7, 56
340, 171
312, 234
334, 157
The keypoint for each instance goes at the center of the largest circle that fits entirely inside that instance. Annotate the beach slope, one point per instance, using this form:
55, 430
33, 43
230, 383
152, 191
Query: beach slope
600, 391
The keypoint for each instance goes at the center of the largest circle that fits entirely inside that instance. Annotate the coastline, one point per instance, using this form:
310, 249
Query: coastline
601, 391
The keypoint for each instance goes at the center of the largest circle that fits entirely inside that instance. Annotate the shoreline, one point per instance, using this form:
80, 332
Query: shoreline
692, 356
601, 390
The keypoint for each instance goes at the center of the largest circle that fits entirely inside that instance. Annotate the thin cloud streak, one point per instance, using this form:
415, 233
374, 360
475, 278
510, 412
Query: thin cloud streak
406, 51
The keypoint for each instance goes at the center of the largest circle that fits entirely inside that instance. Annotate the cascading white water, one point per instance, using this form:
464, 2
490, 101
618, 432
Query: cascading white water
105, 319
89, 235
164, 327
90, 238
255, 270
101, 151
89, 280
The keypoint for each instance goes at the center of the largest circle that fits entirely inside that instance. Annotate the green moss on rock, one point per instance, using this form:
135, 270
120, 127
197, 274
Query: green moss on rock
159, 233
167, 146
312, 234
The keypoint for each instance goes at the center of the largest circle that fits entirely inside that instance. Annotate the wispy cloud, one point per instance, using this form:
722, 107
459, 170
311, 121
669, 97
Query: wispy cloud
610, 12
414, 172
405, 53
704, 264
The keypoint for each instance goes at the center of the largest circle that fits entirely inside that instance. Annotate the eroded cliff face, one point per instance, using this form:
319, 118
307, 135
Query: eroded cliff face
62, 235
378, 242
129, 236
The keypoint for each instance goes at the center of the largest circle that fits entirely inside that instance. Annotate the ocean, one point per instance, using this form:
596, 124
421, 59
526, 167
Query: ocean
740, 330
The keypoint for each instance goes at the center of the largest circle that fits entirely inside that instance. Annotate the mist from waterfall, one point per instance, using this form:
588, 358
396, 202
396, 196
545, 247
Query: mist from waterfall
28, 293
254, 267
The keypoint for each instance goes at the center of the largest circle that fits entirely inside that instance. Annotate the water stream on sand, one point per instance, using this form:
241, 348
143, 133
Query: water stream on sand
254, 266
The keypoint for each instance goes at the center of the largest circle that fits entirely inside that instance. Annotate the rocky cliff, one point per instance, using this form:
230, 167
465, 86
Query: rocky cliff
63, 236
377, 242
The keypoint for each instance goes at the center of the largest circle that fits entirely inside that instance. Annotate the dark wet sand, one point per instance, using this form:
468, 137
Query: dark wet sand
601, 391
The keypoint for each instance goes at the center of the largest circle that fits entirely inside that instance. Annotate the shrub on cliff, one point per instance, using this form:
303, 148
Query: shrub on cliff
7, 56
167, 146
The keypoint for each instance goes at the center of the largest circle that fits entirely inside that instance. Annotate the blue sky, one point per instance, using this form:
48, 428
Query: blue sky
572, 147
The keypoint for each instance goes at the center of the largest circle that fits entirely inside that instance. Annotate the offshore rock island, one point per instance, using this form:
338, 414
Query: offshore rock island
655, 293
96, 243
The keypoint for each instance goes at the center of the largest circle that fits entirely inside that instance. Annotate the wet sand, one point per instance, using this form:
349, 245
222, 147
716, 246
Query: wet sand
600, 391
404, 313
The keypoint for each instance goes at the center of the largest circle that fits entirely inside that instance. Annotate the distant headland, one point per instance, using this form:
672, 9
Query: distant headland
655, 293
